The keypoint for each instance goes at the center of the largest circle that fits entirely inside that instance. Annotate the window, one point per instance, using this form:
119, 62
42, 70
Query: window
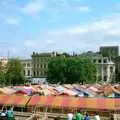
37, 65
45, 65
99, 60
105, 78
41, 65
28, 73
111, 69
105, 61
37, 73
24, 72
34, 73
28, 65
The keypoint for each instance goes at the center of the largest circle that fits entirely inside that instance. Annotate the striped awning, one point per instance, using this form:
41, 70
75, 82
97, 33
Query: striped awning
14, 100
61, 102
75, 102
3, 98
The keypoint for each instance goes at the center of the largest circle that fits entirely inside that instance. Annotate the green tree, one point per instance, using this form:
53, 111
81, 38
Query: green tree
56, 68
71, 70
14, 74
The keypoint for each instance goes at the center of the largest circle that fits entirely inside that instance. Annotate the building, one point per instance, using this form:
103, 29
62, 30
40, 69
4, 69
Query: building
28, 68
40, 63
3, 63
117, 63
105, 69
110, 51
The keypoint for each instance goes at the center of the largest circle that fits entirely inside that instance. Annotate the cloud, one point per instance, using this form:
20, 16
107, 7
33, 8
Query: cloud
78, 38
83, 9
12, 21
9, 9
30, 43
86, 37
34, 7
49, 42
53, 7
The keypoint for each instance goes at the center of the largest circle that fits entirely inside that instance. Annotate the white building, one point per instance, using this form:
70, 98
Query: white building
105, 69
3, 63
3, 60
27, 65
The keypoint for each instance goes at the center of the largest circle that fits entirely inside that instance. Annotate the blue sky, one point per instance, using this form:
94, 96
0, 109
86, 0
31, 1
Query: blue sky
57, 25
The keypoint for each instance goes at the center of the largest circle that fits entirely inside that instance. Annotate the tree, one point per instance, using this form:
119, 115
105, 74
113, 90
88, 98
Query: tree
56, 69
14, 73
71, 70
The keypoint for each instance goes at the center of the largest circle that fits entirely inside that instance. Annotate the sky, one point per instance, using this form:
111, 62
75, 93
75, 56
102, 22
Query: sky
57, 25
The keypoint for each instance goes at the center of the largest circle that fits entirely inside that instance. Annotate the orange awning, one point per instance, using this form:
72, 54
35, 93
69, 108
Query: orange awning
75, 102
18, 100
37, 101
14, 100
4, 98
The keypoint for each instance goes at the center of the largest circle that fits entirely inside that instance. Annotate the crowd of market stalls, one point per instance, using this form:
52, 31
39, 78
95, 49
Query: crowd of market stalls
77, 90
104, 99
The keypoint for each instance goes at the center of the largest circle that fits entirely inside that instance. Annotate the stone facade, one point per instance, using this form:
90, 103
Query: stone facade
40, 63
37, 67
105, 69
28, 68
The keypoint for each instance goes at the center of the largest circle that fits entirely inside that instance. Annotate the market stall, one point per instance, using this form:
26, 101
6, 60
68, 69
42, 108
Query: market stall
19, 102
65, 104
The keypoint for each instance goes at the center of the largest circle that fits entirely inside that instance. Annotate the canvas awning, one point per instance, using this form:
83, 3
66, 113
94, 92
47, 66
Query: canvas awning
14, 100
61, 102
75, 102
18, 100
3, 98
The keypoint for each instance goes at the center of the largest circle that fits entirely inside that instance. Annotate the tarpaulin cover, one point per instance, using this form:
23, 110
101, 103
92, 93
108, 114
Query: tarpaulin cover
75, 102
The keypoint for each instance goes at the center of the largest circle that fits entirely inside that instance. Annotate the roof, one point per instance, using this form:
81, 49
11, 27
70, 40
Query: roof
61, 102
75, 102
14, 100
7, 90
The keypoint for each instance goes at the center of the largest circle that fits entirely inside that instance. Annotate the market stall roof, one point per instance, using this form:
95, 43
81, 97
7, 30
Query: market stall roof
75, 102
18, 100
14, 100
7, 90
3, 98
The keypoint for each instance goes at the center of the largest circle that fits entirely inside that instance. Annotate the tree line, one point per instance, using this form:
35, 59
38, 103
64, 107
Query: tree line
63, 70
12, 73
